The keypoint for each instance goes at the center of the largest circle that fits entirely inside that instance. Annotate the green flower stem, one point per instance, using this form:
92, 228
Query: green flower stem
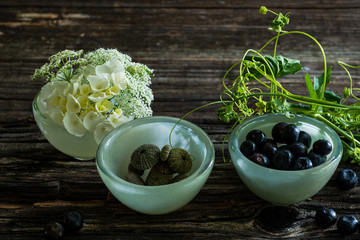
206, 105
306, 100
317, 43
336, 128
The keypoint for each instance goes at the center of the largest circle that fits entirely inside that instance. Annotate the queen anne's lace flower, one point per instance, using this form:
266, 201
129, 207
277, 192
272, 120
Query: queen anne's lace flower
94, 93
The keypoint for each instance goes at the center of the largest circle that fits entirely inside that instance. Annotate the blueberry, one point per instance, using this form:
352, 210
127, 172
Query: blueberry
304, 138
325, 217
316, 159
271, 142
73, 222
247, 148
290, 134
347, 224
322, 147
260, 159
257, 136
277, 131
282, 160
268, 149
54, 230
298, 149
346, 179
301, 163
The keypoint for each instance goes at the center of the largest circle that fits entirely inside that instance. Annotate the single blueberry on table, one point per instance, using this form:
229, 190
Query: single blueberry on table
260, 159
54, 230
282, 160
257, 136
322, 147
301, 163
290, 134
277, 131
347, 224
247, 148
325, 217
346, 179
73, 222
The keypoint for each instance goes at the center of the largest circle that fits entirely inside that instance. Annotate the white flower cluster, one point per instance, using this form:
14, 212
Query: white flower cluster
106, 90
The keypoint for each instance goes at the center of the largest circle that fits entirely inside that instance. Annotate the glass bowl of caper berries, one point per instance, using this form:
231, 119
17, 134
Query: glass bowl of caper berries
284, 159
155, 165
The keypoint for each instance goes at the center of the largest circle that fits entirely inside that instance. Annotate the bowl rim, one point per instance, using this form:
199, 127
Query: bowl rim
205, 165
321, 167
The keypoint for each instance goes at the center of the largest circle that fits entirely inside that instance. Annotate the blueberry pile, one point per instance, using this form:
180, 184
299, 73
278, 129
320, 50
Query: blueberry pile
346, 224
72, 222
287, 150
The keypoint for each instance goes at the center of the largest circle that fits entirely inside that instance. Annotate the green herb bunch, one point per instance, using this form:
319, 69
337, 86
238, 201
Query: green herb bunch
238, 97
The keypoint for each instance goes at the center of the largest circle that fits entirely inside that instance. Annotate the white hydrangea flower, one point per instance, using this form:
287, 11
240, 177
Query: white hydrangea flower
92, 119
85, 92
72, 104
57, 116
104, 106
74, 125
110, 67
118, 119
101, 130
46, 91
119, 79
99, 82
97, 96
61, 87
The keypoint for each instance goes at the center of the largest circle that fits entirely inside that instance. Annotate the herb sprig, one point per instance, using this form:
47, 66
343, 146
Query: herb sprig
321, 104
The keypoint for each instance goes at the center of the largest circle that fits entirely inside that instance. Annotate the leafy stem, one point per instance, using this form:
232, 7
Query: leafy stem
321, 104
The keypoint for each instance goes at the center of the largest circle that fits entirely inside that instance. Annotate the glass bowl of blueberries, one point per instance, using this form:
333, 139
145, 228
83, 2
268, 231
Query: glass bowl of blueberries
284, 160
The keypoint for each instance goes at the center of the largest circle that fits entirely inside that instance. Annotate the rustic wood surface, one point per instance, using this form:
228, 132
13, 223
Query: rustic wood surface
190, 44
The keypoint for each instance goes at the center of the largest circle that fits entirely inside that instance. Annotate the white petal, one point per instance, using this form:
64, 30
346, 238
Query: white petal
104, 106
101, 130
46, 91
77, 78
117, 120
119, 79
74, 125
110, 67
99, 82
97, 96
57, 116
62, 87
72, 104
92, 119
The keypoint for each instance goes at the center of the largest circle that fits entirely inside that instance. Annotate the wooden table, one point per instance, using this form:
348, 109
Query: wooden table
190, 44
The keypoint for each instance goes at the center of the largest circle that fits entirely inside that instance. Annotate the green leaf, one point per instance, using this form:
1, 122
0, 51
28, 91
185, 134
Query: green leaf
279, 65
319, 81
332, 97
288, 66
310, 86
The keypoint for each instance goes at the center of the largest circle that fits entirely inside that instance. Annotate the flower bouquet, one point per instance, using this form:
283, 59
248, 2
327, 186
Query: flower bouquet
88, 95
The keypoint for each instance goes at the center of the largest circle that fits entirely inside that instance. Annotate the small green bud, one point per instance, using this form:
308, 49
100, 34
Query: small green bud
263, 10
346, 92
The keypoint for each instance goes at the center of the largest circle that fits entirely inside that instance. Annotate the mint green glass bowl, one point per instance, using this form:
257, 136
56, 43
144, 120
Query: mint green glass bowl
281, 187
113, 158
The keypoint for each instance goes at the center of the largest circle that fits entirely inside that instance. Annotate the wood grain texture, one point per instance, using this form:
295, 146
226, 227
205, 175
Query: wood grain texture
190, 45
